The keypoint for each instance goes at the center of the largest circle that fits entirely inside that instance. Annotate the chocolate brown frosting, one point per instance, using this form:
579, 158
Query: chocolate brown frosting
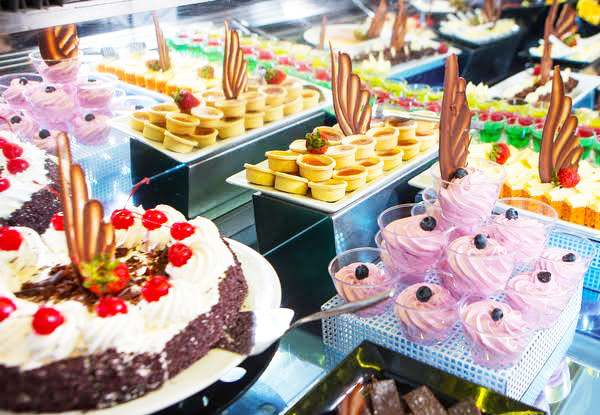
235, 67
58, 42
546, 61
399, 29
378, 20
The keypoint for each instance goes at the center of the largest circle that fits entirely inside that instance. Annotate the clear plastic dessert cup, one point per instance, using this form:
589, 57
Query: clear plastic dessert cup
95, 90
61, 71
388, 263
127, 104
415, 239
497, 333
358, 274
13, 86
523, 226
52, 104
426, 313
567, 256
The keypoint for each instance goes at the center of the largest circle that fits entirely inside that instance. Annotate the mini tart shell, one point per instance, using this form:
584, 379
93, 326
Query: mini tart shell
153, 132
208, 117
178, 144
137, 120
255, 100
410, 146
254, 84
231, 127
254, 119
293, 88
259, 175
211, 96
179, 123
231, 108
204, 137
331, 190
291, 184
299, 146
282, 161
365, 145
334, 135
293, 106
374, 166
385, 136
344, 155
157, 113
406, 128
273, 113
427, 141
426, 127
275, 94
310, 98
391, 158
355, 176
315, 167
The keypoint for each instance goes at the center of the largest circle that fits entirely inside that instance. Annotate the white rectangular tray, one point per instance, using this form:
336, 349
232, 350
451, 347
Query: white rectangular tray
121, 124
239, 179
581, 44
587, 83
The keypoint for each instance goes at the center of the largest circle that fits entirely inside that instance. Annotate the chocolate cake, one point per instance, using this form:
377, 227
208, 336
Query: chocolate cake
401, 55
569, 85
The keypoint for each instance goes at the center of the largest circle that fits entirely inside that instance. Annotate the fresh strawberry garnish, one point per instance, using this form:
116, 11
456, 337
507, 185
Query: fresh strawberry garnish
500, 153
121, 219
15, 166
4, 184
7, 307
102, 276
181, 230
10, 239
568, 177
153, 219
585, 132
153, 65
265, 55
179, 254
525, 121
323, 74
274, 76
155, 288
110, 306
185, 100
571, 40
206, 72
537, 70
316, 144
496, 117
58, 221
443, 48
46, 320
12, 151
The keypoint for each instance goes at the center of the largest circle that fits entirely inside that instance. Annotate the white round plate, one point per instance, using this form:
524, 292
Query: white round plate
342, 37
264, 292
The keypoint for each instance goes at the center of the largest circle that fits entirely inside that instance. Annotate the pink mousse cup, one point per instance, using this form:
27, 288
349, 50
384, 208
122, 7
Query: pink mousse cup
415, 239
61, 71
426, 312
95, 90
497, 333
357, 275
522, 226
16, 84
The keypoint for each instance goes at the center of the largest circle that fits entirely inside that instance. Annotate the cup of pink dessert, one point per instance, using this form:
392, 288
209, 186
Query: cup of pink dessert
15, 85
522, 226
567, 256
358, 274
426, 312
415, 239
90, 128
497, 333
61, 71
95, 90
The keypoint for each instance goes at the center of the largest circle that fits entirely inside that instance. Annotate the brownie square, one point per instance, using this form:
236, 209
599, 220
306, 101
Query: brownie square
385, 398
466, 407
421, 401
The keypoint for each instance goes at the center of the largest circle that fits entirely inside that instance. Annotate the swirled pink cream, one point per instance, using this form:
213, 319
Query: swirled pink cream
46, 140
523, 237
539, 296
14, 95
557, 261
94, 92
23, 125
91, 129
415, 243
351, 286
426, 312
61, 72
470, 199
495, 342
51, 101
475, 270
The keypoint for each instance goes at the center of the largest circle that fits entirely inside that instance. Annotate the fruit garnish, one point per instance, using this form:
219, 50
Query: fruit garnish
360, 34
4, 184
460, 173
274, 76
103, 276
544, 276
511, 214
44, 134
12, 151
316, 144
185, 100
537, 70
7, 307
181, 230
153, 219
567, 177
10, 239
89, 117
571, 40
206, 72
121, 219
179, 254
500, 153
585, 132
15, 166
496, 117
424, 294
110, 306
497, 314
428, 223
15, 119
480, 241
443, 48
361, 272
155, 288
46, 320
570, 257
23, 80
58, 221
153, 64
49, 89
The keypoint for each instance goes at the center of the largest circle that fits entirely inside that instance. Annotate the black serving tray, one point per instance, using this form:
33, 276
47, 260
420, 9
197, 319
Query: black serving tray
369, 360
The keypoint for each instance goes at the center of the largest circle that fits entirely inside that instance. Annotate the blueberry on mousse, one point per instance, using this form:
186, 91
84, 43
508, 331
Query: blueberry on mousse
570, 257
44, 134
23, 80
89, 117
428, 223
15, 119
480, 241
544, 276
511, 214
460, 173
497, 314
50, 89
361, 272
424, 294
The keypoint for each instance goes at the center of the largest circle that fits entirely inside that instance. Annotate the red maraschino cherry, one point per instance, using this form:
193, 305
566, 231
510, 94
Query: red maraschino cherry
179, 254
181, 230
122, 219
110, 306
46, 320
4, 184
155, 288
58, 221
12, 151
10, 239
152, 219
7, 307
15, 166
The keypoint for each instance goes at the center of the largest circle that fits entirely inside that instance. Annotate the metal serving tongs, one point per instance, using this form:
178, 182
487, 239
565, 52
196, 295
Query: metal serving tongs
270, 325
383, 110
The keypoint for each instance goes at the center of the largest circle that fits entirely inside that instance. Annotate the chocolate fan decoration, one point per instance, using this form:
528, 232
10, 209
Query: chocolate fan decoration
560, 146
322, 34
88, 237
399, 29
58, 43
562, 28
565, 24
350, 102
491, 10
455, 121
163, 49
378, 20
235, 67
